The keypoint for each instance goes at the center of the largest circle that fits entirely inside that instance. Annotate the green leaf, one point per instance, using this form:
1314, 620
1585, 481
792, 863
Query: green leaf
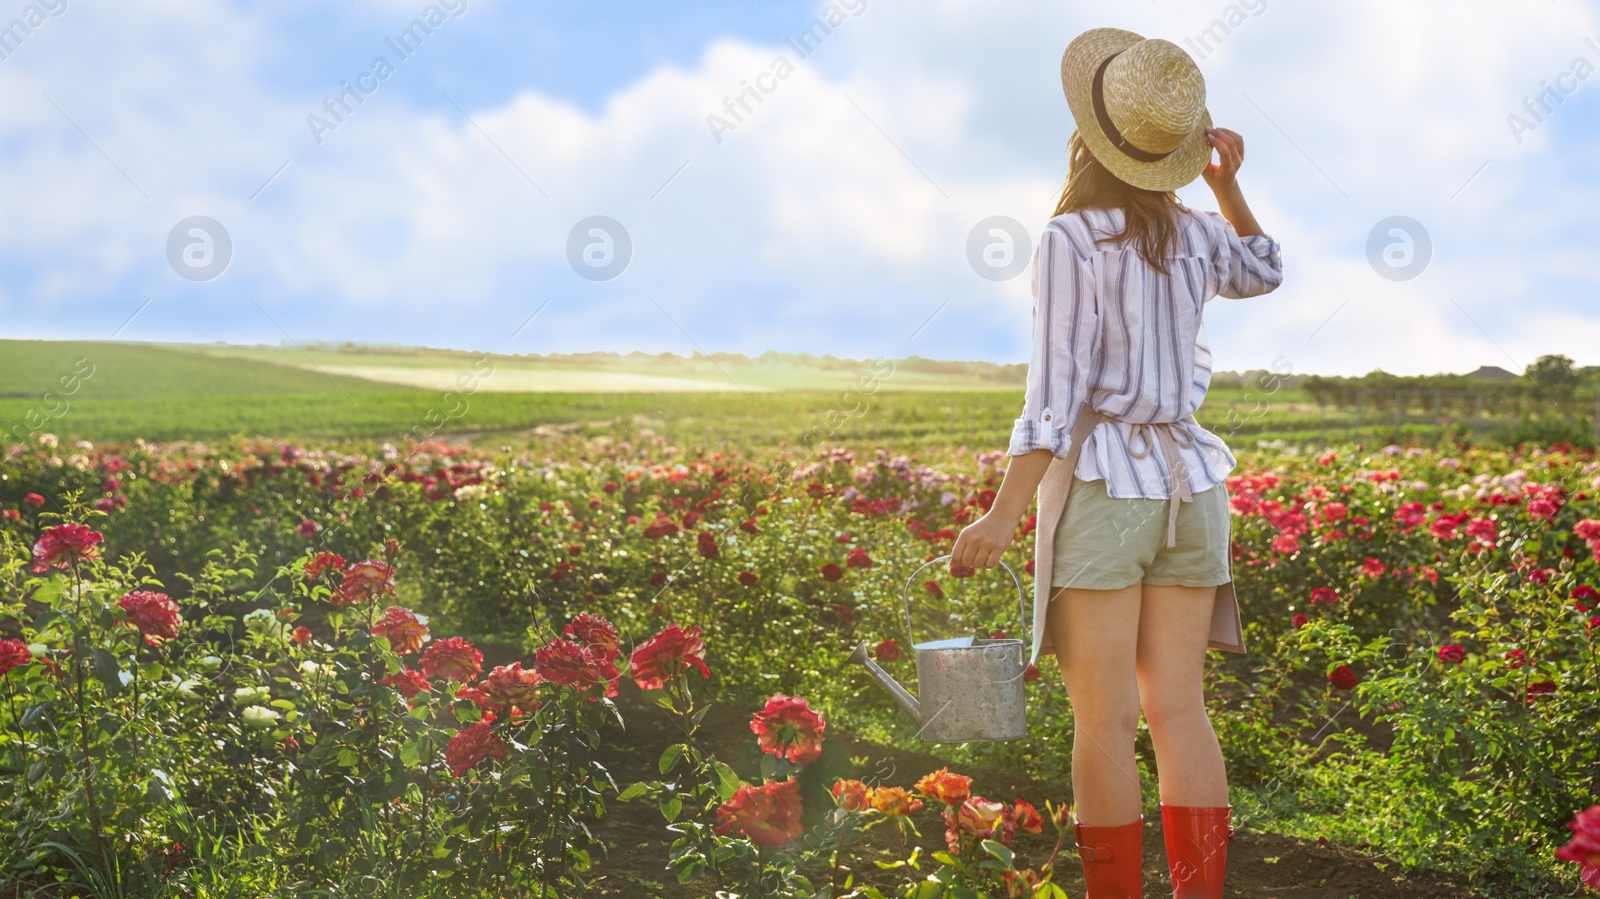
999, 851
670, 757
634, 791
108, 672
727, 781
671, 806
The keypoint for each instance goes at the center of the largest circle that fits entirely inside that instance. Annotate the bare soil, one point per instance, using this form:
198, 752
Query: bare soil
1260, 865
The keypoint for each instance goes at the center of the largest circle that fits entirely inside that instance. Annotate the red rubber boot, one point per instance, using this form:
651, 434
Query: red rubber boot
1197, 849
1113, 859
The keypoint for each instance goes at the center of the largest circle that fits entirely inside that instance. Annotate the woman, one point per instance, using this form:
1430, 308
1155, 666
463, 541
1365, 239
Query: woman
1136, 582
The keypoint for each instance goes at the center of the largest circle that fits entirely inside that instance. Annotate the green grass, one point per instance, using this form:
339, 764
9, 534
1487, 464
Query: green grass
118, 391
29, 369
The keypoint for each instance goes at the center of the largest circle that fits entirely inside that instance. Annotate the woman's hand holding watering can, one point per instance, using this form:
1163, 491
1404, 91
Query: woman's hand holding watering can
983, 542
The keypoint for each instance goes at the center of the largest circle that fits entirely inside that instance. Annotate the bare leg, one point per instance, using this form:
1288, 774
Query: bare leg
1173, 626
1095, 634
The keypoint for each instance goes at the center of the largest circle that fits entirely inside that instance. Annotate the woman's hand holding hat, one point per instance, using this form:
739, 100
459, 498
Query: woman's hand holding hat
1230, 154
1222, 177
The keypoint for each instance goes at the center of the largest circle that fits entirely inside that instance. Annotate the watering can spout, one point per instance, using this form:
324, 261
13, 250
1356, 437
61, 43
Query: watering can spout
904, 699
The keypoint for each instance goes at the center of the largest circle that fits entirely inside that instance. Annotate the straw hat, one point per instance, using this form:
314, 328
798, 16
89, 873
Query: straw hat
1140, 106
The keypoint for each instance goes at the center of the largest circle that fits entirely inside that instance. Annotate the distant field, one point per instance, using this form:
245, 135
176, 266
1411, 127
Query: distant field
122, 391
430, 369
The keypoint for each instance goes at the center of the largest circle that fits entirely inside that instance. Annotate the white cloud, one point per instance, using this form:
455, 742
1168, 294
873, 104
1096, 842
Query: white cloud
833, 218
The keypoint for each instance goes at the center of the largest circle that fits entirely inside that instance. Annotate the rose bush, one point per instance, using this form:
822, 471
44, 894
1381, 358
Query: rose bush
1421, 623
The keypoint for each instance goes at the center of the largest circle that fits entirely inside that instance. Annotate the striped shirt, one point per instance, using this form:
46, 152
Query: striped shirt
1110, 328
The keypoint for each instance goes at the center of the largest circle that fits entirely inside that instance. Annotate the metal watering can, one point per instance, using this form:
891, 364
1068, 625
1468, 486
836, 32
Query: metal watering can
969, 690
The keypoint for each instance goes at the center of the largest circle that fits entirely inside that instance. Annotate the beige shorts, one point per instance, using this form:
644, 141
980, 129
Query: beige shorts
1104, 543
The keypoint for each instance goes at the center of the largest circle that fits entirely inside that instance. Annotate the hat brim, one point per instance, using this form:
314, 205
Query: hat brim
1078, 66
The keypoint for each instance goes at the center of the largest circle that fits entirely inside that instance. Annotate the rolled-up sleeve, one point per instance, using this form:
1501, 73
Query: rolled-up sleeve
1066, 330
1245, 266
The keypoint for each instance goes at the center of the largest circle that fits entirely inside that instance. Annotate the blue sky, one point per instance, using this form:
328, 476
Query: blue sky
833, 218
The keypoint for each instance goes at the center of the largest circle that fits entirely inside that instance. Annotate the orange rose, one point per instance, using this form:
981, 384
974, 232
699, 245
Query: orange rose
950, 789
789, 729
896, 802
851, 795
769, 814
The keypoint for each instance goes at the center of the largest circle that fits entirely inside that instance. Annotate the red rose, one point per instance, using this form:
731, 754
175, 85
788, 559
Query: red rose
63, 545
933, 589
657, 578
407, 682
321, 564
154, 614
769, 814
509, 686
402, 628
302, 634
452, 658
748, 578
13, 654
979, 819
367, 579
887, 651
1325, 594
595, 634
708, 545
1031, 673
33, 499
858, 558
661, 527
749, 526
666, 655
308, 528
1299, 621
1027, 817
1452, 653
1584, 847
1542, 509
832, 572
1343, 677
472, 745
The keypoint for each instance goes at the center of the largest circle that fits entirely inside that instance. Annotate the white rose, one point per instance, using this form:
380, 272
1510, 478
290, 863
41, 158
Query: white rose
260, 716
248, 695
263, 622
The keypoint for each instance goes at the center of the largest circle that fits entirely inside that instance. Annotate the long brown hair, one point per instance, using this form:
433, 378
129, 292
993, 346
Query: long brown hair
1149, 221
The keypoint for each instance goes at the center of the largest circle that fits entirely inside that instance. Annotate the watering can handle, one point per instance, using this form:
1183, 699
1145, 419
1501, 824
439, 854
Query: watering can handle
1022, 607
